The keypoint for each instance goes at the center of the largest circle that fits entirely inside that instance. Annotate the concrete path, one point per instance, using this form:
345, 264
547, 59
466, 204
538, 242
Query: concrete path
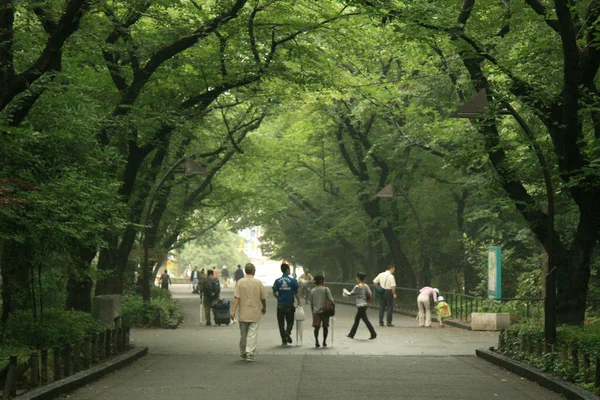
407, 362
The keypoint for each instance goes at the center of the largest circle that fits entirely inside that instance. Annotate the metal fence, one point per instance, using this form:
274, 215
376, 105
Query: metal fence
461, 305
20, 373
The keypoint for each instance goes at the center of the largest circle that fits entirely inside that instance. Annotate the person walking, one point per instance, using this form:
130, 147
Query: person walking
186, 274
286, 289
251, 297
385, 285
317, 298
424, 306
225, 276
238, 274
165, 280
362, 293
195, 276
305, 281
211, 291
202, 279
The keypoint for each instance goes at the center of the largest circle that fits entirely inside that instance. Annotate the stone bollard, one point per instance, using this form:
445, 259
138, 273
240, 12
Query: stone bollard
57, 371
67, 361
35, 369
95, 352
10, 389
44, 369
107, 343
86, 353
586, 368
77, 357
101, 346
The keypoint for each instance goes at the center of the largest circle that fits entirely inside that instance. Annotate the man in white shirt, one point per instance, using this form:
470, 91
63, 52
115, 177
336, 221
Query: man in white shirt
250, 296
385, 286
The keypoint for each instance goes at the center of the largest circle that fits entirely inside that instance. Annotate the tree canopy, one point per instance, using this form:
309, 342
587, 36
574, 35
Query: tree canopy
299, 112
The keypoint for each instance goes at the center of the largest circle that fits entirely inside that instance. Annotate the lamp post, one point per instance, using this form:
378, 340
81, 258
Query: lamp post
191, 168
478, 106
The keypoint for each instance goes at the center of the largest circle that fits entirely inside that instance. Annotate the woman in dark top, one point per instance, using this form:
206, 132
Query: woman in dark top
317, 299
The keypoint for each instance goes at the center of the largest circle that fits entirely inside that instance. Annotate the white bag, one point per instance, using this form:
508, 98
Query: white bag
299, 314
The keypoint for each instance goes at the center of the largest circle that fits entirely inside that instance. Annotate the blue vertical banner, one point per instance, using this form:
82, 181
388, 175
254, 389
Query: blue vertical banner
494, 272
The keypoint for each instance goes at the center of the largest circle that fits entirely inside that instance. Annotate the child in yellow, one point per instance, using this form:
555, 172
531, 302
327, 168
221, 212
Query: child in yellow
442, 309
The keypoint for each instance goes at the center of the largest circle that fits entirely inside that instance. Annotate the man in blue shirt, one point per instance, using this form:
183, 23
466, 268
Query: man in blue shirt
285, 289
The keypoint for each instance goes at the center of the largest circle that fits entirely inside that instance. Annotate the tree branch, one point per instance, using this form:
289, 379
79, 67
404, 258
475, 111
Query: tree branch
541, 10
67, 25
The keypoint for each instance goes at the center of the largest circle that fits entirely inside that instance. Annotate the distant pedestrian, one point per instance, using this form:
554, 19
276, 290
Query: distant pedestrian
202, 279
385, 285
442, 310
165, 280
424, 306
195, 276
362, 293
225, 276
211, 291
286, 289
215, 272
251, 297
239, 274
187, 274
317, 298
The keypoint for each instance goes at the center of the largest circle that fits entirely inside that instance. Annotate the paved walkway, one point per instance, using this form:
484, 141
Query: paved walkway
407, 362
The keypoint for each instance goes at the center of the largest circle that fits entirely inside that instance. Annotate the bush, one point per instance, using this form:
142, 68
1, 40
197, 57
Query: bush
57, 328
585, 339
162, 311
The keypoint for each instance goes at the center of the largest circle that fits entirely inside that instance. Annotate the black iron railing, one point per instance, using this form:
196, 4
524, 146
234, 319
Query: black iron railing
461, 305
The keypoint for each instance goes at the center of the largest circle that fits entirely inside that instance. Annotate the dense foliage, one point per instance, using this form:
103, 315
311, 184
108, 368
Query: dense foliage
298, 112
162, 312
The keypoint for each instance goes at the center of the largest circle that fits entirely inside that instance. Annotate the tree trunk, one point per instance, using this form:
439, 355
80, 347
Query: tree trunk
111, 281
16, 270
573, 276
79, 286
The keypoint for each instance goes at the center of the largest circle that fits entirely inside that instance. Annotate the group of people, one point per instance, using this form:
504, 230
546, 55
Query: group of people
250, 298
385, 285
198, 278
250, 305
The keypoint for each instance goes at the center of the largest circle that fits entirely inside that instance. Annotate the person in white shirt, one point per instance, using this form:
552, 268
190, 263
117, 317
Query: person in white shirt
385, 286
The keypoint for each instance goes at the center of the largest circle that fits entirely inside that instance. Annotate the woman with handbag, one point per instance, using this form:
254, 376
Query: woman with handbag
362, 293
323, 307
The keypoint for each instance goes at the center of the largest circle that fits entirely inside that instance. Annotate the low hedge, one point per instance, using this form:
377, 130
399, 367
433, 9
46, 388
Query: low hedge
163, 311
584, 339
56, 327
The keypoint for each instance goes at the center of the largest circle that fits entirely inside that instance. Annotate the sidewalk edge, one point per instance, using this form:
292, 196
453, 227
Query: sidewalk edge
82, 378
570, 390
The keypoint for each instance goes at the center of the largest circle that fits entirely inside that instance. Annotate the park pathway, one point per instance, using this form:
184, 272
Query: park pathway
404, 362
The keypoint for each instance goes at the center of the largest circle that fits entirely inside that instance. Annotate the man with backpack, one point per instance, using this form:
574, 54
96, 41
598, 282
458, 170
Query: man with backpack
211, 291
286, 289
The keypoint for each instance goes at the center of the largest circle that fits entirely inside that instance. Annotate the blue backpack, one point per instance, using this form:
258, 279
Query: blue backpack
214, 288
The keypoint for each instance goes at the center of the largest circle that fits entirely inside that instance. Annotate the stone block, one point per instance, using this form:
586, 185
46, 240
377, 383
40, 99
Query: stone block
107, 309
489, 321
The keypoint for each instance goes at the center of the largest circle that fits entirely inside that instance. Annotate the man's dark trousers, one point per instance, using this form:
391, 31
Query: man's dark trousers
386, 302
285, 314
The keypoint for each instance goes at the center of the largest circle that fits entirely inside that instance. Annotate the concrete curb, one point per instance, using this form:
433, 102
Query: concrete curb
569, 390
82, 378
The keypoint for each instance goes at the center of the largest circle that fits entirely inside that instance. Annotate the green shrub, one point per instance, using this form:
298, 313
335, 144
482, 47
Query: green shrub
585, 339
58, 327
162, 310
